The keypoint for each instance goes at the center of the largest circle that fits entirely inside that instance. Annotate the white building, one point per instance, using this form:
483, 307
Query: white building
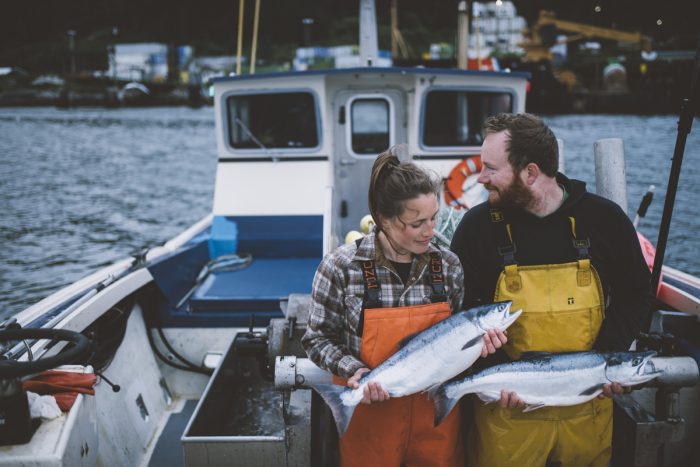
139, 62
202, 69
495, 26
342, 56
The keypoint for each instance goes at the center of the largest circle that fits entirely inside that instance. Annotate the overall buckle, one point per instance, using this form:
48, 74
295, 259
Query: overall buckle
582, 247
508, 253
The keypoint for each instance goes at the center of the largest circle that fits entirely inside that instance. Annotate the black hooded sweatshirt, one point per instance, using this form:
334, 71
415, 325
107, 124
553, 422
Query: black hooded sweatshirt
614, 251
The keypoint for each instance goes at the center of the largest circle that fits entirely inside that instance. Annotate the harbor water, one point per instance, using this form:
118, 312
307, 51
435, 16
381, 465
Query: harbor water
82, 188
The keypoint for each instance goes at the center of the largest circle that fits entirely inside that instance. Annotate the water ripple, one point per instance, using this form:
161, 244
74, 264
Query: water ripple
82, 188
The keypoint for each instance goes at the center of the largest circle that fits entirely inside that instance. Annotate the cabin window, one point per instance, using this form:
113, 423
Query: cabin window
272, 120
455, 117
369, 126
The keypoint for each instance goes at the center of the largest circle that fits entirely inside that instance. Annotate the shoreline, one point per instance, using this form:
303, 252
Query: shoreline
107, 96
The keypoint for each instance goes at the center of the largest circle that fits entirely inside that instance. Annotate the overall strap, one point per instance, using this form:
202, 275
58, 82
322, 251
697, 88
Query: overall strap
436, 277
504, 237
506, 248
372, 298
583, 275
580, 244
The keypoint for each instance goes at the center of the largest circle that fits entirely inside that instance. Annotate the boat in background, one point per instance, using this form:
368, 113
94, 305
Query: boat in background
195, 343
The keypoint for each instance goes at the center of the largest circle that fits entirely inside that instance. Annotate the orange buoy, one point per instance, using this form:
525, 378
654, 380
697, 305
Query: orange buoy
456, 182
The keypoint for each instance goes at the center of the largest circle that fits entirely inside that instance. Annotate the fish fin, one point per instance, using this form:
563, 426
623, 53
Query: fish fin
443, 403
407, 339
591, 391
532, 355
472, 342
531, 407
341, 413
432, 389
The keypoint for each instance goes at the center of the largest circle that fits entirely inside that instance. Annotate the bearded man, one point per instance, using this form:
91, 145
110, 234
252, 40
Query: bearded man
571, 260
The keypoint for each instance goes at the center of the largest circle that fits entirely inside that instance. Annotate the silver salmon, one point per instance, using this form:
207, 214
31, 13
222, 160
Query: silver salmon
549, 379
424, 360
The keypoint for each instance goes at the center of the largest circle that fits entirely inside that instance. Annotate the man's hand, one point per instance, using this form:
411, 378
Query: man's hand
373, 391
614, 389
510, 400
493, 339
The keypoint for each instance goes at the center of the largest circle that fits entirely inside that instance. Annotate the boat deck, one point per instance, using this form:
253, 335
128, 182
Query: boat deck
168, 450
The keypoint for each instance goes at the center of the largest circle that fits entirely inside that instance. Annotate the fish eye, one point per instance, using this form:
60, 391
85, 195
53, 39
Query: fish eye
636, 361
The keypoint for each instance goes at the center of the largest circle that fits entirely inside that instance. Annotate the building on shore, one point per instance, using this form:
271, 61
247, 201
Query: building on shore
148, 62
139, 62
203, 69
342, 56
496, 29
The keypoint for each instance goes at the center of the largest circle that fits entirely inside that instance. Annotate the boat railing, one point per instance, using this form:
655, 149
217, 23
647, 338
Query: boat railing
330, 225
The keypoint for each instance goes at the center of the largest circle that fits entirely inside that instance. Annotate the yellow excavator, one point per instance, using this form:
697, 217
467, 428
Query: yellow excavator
543, 35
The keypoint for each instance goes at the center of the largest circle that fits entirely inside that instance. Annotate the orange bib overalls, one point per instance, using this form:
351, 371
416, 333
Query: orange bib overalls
400, 431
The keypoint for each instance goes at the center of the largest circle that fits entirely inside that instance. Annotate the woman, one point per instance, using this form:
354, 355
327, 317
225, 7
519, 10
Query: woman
355, 325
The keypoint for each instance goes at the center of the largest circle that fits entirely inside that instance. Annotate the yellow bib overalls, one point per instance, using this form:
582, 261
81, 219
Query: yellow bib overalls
563, 309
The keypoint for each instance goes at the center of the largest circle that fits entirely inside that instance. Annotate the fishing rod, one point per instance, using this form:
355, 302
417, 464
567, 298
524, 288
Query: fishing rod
685, 122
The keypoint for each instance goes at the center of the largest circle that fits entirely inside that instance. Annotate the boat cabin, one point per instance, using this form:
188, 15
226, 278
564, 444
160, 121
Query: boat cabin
295, 151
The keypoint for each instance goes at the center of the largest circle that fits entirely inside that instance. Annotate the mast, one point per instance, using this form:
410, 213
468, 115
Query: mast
462, 35
239, 45
254, 50
369, 50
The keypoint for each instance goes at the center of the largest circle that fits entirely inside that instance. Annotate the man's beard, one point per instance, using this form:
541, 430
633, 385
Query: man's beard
515, 195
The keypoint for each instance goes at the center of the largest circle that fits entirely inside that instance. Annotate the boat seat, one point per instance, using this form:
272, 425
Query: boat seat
268, 236
286, 252
258, 287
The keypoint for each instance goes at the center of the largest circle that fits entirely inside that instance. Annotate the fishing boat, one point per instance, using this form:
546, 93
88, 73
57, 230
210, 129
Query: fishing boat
194, 344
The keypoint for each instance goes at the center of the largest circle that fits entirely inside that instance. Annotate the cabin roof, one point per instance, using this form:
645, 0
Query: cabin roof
377, 70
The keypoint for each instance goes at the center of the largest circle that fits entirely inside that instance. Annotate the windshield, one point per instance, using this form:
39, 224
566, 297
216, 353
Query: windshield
272, 120
455, 117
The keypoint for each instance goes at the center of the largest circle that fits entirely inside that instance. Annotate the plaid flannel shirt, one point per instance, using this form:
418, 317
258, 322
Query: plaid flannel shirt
331, 340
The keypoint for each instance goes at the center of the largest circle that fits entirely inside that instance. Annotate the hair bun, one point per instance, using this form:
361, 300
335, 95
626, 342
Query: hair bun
400, 151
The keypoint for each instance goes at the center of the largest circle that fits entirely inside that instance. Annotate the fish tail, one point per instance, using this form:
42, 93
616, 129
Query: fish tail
342, 413
443, 403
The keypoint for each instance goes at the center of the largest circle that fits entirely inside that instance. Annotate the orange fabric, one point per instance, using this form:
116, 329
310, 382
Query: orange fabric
649, 252
399, 431
63, 385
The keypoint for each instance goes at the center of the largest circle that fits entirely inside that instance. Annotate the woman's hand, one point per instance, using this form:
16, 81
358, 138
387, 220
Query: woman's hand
373, 391
493, 339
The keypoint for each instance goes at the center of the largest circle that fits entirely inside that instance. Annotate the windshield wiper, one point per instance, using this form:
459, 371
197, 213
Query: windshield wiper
250, 134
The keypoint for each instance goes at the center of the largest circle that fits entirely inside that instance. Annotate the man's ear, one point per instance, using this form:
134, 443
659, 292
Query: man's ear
530, 173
